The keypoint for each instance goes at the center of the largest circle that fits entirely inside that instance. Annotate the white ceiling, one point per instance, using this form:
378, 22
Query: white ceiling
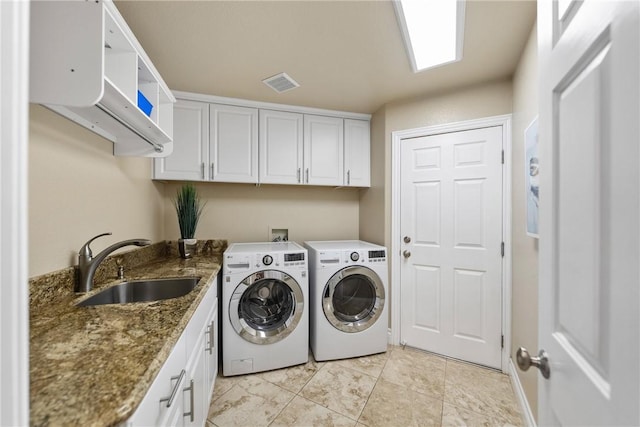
346, 55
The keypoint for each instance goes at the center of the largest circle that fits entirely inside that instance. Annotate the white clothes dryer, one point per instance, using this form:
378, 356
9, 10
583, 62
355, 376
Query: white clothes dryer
348, 298
265, 320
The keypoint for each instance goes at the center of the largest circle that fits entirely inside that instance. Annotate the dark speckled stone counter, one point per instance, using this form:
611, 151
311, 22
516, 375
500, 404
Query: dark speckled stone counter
92, 366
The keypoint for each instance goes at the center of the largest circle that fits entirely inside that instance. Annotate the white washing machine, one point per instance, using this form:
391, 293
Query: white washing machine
348, 298
265, 320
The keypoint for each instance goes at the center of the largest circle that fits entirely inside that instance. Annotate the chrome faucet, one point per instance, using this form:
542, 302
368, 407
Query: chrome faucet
87, 264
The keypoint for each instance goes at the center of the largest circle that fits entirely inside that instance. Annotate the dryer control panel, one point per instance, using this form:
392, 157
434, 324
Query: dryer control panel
350, 257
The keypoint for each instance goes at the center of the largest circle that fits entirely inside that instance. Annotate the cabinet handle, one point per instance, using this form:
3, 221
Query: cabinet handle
169, 399
212, 170
210, 332
307, 175
348, 177
190, 413
298, 175
202, 170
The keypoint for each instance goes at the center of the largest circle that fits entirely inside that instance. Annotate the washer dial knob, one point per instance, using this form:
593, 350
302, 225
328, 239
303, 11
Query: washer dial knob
355, 256
267, 260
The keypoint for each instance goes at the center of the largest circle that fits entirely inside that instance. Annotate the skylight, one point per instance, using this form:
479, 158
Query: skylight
432, 31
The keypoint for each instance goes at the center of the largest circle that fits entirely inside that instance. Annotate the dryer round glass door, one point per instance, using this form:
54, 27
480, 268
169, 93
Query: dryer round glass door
266, 307
353, 299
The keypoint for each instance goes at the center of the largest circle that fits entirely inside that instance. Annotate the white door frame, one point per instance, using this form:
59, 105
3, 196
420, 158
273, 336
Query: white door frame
14, 287
395, 251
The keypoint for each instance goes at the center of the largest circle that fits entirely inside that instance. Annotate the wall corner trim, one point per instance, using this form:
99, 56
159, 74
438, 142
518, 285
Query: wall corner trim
527, 416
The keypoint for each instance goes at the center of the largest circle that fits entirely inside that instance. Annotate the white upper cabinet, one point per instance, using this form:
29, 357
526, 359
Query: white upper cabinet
191, 139
212, 143
281, 147
357, 157
235, 140
323, 150
86, 64
233, 143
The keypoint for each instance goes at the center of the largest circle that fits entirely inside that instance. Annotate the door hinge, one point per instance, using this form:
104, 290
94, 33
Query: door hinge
502, 341
503, 157
502, 249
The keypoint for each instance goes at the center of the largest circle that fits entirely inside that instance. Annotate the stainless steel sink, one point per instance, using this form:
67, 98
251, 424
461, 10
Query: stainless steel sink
143, 291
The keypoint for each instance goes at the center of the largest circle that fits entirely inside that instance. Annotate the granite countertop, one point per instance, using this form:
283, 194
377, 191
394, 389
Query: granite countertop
93, 365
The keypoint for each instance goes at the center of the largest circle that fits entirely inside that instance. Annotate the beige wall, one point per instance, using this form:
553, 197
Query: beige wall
372, 213
244, 213
78, 189
490, 99
485, 100
519, 97
524, 326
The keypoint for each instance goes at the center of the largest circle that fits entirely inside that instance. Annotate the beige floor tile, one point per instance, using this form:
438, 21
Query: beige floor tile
393, 405
416, 370
251, 401
470, 372
293, 378
454, 416
223, 385
303, 412
370, 365
340, 389
488, 395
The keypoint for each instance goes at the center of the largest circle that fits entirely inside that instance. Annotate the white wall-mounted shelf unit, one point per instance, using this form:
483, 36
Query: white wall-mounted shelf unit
87, 65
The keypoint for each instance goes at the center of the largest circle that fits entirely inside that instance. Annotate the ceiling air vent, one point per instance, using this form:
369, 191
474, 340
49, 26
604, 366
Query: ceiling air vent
281, 82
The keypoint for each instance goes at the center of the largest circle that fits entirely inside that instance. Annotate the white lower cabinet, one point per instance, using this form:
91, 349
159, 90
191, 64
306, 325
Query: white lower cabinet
181, 393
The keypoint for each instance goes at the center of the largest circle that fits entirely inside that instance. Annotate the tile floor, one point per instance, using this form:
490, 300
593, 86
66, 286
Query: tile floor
397, 388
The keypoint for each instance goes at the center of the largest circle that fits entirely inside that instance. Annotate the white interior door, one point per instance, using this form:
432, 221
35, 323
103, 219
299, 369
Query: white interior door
589, 212
451, 223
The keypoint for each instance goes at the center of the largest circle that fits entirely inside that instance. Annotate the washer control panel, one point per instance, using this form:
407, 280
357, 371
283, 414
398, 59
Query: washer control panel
278, 259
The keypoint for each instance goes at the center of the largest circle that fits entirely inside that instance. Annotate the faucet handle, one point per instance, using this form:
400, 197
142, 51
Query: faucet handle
85, 250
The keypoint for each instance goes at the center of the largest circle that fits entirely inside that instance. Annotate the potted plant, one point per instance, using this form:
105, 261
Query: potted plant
188, 208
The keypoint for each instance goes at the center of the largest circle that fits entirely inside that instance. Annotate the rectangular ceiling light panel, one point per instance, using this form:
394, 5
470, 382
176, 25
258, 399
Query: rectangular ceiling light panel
433, 31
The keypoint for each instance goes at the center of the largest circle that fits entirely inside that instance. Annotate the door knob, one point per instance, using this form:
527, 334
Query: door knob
407, 239
406, 254
541, 361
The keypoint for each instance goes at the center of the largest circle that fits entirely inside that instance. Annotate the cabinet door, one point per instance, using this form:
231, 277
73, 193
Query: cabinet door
164, 399
233, 143
196, 404
357, 146
280, 147
211, 353
190, 144
323, 150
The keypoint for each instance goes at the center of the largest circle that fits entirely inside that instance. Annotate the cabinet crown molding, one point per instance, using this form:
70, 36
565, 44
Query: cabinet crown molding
190, 96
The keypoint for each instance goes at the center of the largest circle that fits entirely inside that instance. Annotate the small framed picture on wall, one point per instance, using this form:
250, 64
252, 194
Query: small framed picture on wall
532, 177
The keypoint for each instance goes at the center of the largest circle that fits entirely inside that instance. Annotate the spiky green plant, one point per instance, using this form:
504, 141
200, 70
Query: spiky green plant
189, 208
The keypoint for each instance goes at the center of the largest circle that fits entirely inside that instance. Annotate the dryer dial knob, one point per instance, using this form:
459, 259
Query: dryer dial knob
355, 256
267, 260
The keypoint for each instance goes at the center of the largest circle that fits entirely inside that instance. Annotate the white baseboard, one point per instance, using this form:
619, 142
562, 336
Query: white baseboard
527, 416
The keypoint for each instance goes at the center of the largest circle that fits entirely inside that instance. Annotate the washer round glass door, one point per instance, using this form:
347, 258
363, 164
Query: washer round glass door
353, 299
266, 307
